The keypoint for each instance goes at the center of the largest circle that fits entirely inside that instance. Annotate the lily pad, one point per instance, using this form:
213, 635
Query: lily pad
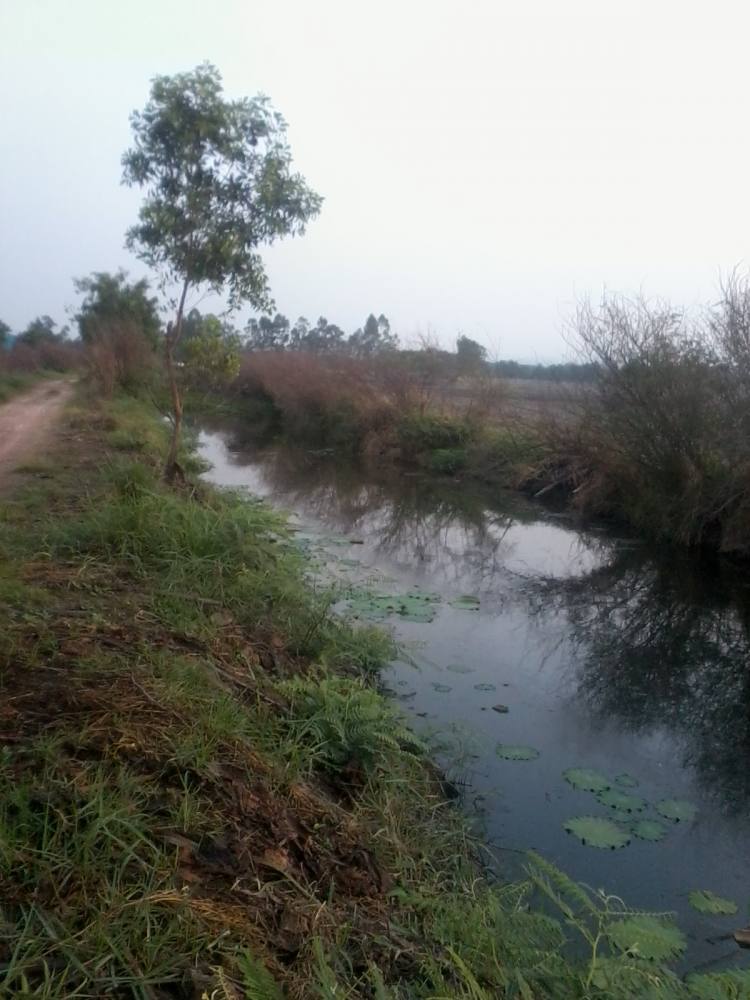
459, 668
649, 829
442, 688
649, 937
677, 810
484, 687
413, 607
466, 602
510, 751
594, 831
621, 801
626, 780
705, 901
587, 779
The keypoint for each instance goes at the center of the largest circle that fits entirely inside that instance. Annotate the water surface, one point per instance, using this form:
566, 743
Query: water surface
607, 654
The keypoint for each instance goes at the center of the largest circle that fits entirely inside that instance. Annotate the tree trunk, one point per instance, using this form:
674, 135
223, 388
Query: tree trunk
172, 469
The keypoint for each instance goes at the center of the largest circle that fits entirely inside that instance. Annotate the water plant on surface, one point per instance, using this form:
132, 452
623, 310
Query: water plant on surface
649, 829
647, 936
484, 686
412, 607
678, 810
595, 831
466, 602
706, 901
626, 780
621, 801
587, 779
510, 751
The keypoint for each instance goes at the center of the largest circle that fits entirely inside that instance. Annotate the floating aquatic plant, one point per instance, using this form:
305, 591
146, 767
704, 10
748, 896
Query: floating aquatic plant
484, 687
706, 901
510, 751
459, 668
594, 831
441, 688
646, 936
413, 607
621, 801
649, 829
626, 780
466, 602
677, 810
587, 779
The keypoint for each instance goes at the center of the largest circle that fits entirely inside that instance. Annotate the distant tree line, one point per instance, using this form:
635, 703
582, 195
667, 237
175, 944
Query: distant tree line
566, 372
277, 333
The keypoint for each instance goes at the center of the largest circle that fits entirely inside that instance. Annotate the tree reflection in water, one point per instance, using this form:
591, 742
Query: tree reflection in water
661, 643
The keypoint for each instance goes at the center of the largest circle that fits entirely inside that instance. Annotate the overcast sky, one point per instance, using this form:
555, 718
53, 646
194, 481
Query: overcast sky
482, 163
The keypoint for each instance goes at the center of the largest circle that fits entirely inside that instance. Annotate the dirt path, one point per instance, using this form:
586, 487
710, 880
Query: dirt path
27, 421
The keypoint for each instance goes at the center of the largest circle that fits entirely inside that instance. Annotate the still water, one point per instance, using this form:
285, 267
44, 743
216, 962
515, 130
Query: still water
605, 653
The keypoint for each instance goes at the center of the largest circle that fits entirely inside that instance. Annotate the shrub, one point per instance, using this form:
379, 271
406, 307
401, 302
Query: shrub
120, 355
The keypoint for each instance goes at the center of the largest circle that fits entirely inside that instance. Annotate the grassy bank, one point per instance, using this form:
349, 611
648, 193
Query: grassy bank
205, 796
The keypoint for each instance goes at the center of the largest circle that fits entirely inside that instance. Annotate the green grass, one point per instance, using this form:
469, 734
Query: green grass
12, 383
201, 787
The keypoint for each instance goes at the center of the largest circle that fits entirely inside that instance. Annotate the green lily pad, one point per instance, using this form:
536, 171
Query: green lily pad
467, 602
459, 668
677, 810
587, 779
413, 607
649, 829
510, 751
621, 801
594, 831
484, 687
442, 688
626, 780
705, 901
649, 937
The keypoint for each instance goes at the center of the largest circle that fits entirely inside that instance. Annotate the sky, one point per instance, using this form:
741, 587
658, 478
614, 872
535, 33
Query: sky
484, 165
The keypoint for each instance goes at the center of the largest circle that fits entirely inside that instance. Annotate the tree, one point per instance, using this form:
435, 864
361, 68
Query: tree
218, 185
471, 355
374, 337
324, 336
111, 301
267, 334
39, 331
5, 333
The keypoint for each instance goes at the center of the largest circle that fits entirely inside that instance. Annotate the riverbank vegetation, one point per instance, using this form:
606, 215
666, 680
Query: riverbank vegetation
657, 439
204, 793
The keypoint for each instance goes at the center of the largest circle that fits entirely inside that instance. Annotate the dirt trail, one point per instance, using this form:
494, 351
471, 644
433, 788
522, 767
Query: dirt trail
27, 421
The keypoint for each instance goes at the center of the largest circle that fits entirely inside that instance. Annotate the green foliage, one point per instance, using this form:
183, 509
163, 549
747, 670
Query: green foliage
706, 901
621, 801
649, 829
594, 831
513, 751
471, 356
258, 982
429, 432
218, 184
652, 938
446, 461
731, 985
211, 353
40, 331
343, 722
587, 779
678, 810
111, 303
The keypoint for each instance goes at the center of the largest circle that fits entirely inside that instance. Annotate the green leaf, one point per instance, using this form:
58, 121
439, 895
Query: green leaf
678, 810
587, 779
649, 937
509, 751
621, 801
594, 831
626, 780
466, 602
731, 985
649, 829
705, 901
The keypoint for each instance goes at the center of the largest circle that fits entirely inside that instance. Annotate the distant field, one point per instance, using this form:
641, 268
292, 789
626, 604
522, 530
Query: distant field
525, 399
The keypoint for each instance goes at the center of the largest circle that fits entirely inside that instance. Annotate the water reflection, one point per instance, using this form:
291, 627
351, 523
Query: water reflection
661, 642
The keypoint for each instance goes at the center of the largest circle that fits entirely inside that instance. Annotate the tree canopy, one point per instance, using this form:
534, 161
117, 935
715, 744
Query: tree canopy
39, 331
219, 184
110, 299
